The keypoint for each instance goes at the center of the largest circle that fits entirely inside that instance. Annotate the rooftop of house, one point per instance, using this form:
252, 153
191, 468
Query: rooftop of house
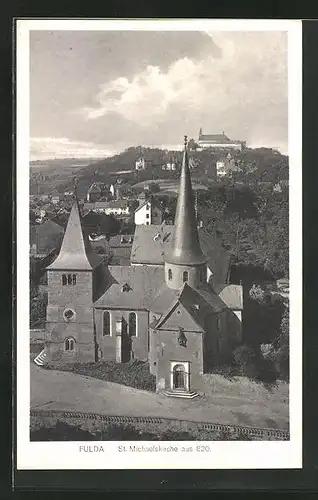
106, 204
152, 201
231, 294
121, 240
151, 242
48, 227
217, 138
56, 194
60, 219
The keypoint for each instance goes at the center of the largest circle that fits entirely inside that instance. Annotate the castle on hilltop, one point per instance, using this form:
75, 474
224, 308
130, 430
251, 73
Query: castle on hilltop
218, 141
167, 315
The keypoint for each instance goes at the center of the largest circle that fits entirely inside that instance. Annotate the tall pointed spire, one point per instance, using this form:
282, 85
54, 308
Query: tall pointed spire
185, 246
76, 252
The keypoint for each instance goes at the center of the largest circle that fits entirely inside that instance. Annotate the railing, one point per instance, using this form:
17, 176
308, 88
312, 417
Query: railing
277, 434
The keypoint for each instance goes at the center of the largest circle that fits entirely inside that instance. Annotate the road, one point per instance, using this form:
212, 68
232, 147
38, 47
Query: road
67, 391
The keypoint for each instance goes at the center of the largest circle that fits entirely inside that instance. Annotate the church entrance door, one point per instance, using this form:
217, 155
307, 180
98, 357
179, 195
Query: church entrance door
179, 377
126, 345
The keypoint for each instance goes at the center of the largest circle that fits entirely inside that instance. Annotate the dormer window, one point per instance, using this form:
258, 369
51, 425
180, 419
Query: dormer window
125, 288
196, 306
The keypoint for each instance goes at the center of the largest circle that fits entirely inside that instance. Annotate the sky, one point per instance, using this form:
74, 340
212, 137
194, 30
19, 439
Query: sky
95, 93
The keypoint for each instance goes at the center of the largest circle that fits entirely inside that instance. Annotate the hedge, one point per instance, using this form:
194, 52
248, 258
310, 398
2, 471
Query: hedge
62, 431
134, 373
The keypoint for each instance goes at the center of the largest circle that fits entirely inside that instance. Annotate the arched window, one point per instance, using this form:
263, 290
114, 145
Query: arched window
218, 323
185, 276
169, 275
132, 322
69, 344
68, 279
106, 323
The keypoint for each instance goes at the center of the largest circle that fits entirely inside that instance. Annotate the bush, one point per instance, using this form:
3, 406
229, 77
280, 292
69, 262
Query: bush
134, 373
63, 431
245, 359
253, 365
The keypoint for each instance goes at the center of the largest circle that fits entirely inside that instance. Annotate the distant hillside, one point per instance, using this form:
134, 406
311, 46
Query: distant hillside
168, 186
261, 164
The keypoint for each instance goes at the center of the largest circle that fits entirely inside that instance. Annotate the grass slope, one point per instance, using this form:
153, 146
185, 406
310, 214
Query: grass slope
227, 402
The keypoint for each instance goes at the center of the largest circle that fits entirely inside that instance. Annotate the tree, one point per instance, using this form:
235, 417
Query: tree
192, 145
109, 225
246, 361
263, 313
100, 249
280, 354
154, 187
37, 311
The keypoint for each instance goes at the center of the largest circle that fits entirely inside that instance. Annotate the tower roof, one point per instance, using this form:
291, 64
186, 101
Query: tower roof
185, 246
76, 252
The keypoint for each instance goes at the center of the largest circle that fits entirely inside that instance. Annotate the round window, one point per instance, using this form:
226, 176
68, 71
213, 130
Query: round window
68, 314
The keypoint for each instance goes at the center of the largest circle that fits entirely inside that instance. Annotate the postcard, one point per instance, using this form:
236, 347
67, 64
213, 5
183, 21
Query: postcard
159, 241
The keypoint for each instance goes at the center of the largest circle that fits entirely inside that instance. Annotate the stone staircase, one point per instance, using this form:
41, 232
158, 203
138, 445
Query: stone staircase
42, 358
180, 394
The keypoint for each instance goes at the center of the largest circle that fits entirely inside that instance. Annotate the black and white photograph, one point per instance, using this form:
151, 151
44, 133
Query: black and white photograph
159, 244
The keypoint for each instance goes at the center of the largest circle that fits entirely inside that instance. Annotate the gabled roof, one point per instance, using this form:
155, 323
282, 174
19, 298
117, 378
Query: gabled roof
217, 138
143, 281
232, 295
199, 303
121, 240
60, 219
76, 252
178, 316
153, 203
94, 188
46, 236
47, 228
106, 204
151, 242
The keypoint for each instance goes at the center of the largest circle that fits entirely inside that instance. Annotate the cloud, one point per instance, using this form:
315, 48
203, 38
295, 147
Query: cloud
246, 81
62, 147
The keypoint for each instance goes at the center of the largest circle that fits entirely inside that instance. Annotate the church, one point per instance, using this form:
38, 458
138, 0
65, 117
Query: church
169, 315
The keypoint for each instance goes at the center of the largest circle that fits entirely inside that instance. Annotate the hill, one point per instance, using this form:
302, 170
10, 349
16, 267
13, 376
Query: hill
261, 164
167, 186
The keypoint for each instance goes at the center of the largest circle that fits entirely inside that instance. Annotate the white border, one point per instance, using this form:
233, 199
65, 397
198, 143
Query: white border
229, 455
